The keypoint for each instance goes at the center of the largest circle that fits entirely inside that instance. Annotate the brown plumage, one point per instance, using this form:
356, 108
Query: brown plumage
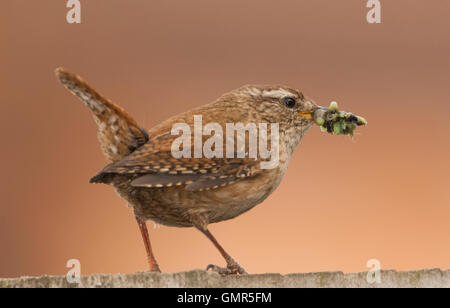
194, 192
118, 133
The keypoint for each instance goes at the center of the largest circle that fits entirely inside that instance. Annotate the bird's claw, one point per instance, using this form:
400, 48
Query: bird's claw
233, 268
154, 268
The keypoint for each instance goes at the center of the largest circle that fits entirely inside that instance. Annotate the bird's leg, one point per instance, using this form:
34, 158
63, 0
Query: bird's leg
232, 268
151, 258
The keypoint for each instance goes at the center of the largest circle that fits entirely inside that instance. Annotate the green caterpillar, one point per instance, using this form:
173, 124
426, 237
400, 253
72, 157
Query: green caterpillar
337, 122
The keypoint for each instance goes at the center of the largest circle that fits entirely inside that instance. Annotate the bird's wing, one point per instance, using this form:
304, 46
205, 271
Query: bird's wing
157, 167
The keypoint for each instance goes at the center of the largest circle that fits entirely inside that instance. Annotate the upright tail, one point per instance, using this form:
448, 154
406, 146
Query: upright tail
118, 132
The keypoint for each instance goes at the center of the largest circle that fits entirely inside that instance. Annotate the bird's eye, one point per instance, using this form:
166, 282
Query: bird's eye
289, 102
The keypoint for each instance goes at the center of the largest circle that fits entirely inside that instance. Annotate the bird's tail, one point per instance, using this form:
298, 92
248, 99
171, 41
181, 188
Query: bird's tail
118, 132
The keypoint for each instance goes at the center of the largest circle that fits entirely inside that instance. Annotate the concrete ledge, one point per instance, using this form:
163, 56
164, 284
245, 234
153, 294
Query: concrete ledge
426, 278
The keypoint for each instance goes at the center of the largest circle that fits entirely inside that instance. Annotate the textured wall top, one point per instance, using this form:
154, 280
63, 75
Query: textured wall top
201, 279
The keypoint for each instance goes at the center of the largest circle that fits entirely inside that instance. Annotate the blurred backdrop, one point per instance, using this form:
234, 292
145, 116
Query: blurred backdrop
384, 195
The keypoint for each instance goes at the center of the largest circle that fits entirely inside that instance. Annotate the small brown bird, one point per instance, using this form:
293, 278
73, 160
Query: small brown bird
194, 192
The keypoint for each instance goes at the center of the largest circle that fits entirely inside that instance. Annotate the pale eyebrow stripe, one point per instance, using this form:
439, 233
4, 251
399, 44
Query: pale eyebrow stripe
254, 91
276, 93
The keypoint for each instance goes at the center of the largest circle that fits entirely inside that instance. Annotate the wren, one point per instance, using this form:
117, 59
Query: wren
197, 191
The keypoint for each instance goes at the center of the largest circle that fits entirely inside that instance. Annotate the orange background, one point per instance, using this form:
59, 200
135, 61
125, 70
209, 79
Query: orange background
384, 195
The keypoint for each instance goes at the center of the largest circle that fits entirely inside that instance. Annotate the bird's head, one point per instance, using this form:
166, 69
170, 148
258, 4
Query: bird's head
285, 106
277, 104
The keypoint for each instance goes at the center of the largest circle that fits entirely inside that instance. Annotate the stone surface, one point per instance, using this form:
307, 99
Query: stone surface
426, 278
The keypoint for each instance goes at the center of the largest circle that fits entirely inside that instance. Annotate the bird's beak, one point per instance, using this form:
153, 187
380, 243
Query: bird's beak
311, 108
306, 114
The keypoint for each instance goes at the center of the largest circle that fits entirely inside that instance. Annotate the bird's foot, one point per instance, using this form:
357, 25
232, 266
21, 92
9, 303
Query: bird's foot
233, 268
154, 268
